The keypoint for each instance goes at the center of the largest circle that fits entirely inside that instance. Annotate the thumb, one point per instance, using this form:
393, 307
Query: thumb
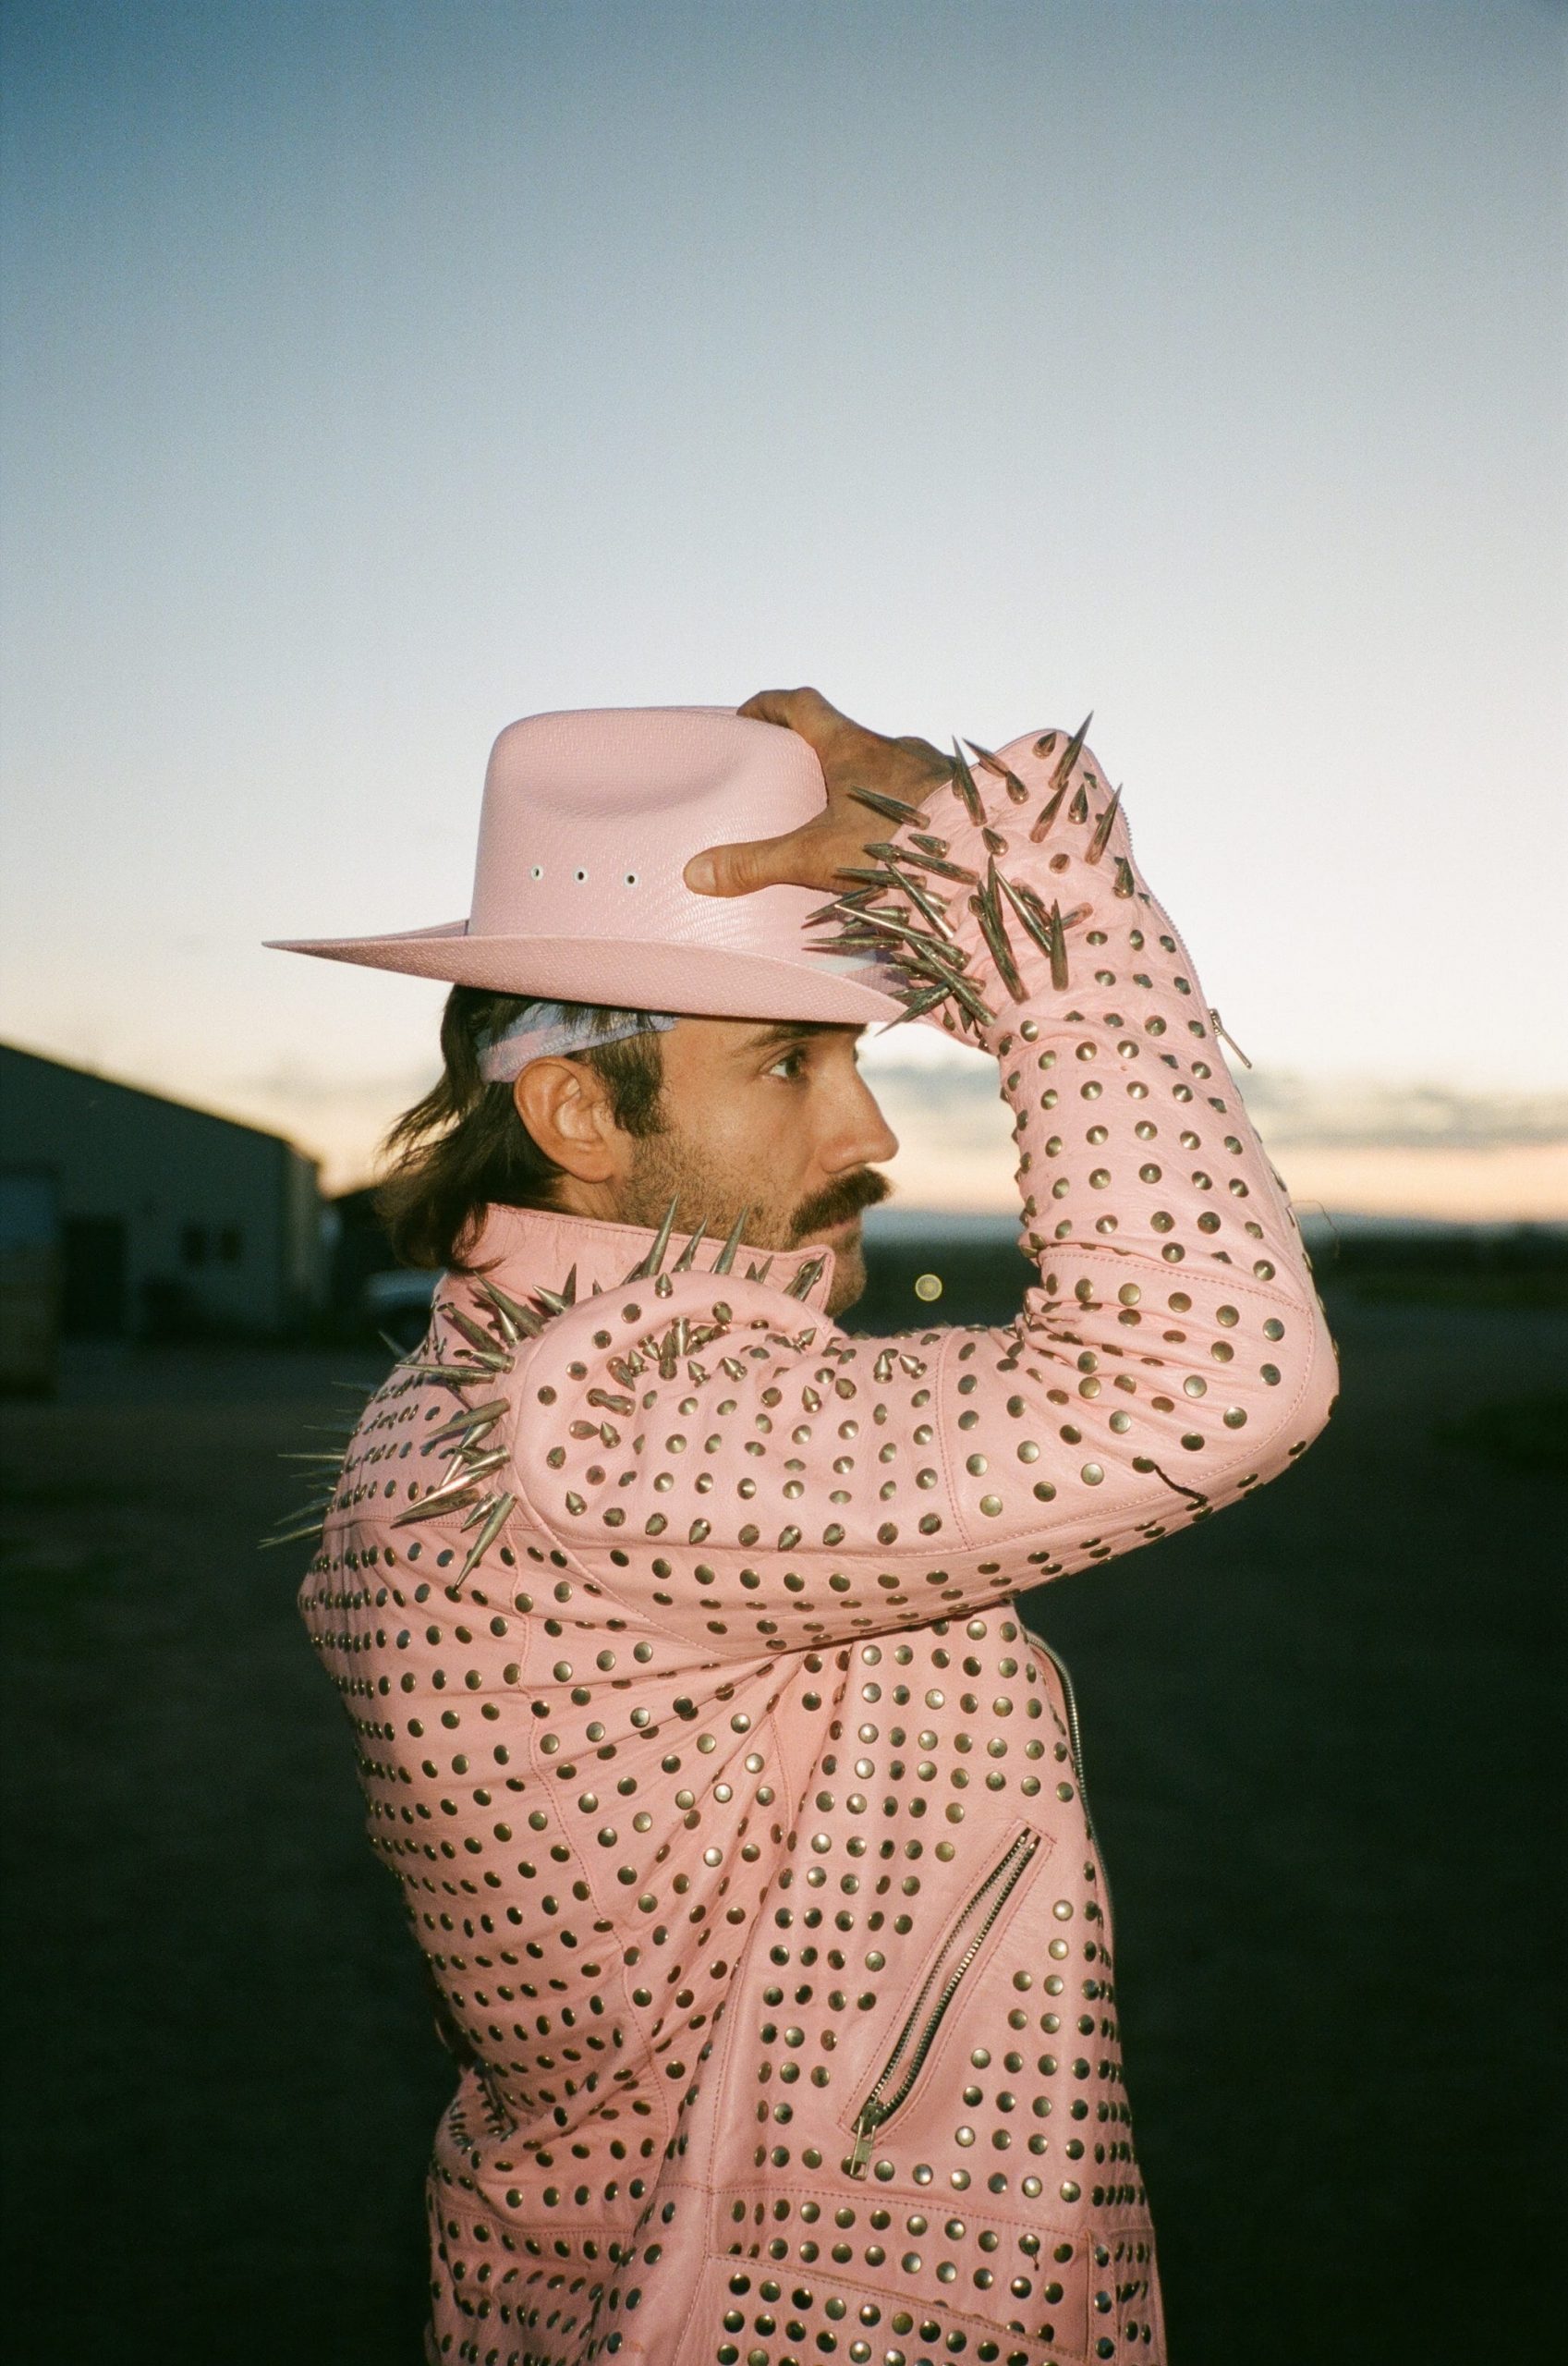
736, 870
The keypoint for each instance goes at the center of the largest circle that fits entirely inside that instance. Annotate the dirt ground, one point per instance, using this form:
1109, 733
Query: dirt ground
1315, 1732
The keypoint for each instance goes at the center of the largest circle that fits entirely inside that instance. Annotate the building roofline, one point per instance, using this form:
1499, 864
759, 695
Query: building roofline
149, 1093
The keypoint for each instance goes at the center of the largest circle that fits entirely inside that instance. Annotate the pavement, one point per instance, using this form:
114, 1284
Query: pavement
1316, 1734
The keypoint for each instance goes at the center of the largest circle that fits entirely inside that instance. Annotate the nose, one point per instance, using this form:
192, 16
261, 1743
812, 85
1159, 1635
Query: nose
862, 1136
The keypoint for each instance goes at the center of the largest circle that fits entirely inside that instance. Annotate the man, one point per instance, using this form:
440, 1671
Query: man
738, 1817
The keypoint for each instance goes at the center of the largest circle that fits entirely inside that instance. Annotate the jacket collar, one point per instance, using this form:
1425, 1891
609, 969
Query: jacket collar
520, 1248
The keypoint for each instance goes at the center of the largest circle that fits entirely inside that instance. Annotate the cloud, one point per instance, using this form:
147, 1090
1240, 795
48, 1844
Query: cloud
1291, 1111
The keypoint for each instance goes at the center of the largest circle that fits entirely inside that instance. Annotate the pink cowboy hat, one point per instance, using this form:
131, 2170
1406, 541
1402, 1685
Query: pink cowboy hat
590, 817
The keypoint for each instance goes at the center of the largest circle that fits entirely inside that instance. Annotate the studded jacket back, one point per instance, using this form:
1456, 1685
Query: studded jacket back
737, 1815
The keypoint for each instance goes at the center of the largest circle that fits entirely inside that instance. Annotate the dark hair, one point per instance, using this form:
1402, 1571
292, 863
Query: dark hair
464, 1146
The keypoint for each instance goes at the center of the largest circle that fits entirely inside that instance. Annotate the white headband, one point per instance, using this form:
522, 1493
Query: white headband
562, 1028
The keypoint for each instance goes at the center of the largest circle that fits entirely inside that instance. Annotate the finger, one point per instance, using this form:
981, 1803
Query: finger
805, 711
737, 869
768, 706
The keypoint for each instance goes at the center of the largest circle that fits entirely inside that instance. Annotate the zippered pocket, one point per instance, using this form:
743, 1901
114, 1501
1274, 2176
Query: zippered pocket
1075, 1747
961, 1943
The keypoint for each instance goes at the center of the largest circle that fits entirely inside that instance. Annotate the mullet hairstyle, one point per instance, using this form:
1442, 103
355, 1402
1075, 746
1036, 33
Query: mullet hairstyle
464, 1147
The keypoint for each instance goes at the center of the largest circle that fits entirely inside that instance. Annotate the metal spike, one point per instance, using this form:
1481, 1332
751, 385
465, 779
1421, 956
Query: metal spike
291, 1535
874, 948
509, 1330
459, 1440
315, 1455
316, 1510
989, 914
683, 1264
1058, 950
972, 1005
487, 1415
948, 954
495, 1520
1035, 923
467, 1465
753, 1274
459, 1482
522, 1319
926, 905
926, 843
454, 1375
894, 807
900, 863
964, 786
917, 1006
993, 763
477, 1338
808, 1275
1078, 809
1071, 752
1047, 816
431, 1505
726, 1255
655, 1257
1125, 884
1103, 830
1045, 743
1226, 1037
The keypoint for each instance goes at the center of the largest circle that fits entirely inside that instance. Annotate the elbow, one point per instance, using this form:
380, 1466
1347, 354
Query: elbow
1304, 1402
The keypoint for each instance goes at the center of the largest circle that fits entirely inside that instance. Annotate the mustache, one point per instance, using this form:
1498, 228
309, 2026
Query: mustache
845, 1197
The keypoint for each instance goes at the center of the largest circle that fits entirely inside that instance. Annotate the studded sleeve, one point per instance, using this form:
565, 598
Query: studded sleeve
756, 1480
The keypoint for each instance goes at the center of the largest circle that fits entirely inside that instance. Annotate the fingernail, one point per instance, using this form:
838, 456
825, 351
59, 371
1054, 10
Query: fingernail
701, 874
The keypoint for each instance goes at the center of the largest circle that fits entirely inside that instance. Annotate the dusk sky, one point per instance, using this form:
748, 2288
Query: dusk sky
376, 374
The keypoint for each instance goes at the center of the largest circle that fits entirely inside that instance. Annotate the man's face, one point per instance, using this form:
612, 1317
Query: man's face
767, 1114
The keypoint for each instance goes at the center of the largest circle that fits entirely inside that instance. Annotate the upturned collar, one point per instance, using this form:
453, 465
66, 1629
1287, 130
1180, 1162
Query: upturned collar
520, 1248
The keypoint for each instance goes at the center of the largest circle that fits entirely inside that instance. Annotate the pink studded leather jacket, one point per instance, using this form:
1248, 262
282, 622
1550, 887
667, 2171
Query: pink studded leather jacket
738, 1816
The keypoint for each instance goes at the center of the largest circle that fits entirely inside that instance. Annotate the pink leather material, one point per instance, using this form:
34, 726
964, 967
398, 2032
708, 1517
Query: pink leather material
699, 1724
590, 817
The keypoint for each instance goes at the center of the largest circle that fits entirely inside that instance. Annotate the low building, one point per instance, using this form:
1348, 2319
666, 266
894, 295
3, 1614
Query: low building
167, 1222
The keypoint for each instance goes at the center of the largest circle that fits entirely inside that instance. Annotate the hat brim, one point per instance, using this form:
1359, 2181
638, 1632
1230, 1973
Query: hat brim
708, 982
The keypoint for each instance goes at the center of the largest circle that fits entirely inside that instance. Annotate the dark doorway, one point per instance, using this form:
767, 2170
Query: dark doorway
93, 1295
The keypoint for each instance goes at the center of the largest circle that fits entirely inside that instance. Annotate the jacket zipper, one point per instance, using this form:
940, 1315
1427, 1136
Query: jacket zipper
1074, 1747
879, 2104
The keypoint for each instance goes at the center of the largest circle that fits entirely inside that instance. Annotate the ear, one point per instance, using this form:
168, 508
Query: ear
567, 1109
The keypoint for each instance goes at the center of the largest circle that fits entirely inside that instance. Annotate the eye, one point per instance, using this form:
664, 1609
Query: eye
792, 1062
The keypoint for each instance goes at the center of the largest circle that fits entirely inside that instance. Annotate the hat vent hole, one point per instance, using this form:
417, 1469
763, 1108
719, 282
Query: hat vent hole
537, 871
581, 876
631, 879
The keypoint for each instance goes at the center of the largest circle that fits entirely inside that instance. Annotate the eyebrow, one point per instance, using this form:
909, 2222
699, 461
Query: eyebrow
791, 1030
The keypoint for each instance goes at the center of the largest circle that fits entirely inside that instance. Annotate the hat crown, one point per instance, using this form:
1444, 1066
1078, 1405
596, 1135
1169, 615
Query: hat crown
591, 815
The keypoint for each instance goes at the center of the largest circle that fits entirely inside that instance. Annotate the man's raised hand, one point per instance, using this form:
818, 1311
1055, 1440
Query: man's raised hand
836, 841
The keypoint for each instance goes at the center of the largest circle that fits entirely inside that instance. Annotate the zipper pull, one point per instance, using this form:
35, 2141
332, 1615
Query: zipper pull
854, 2163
